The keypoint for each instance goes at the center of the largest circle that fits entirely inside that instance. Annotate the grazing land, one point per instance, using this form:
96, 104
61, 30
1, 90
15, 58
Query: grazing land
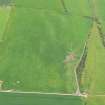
52, 52
95, 100
38, 42
94, 65
35, 99
4, 15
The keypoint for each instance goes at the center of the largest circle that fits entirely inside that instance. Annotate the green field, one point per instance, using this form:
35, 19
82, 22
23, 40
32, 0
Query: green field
70, 6
100, 12
35, 45
4, 15
92, 81
77, 8
42, 46
35, 99
96, 100
93, 76
49, 5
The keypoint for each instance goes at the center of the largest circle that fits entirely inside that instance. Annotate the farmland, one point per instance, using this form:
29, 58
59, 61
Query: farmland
100, 12
52, 52
39, 59
4, 15
77, 8
96, 53
96, 100
92, 81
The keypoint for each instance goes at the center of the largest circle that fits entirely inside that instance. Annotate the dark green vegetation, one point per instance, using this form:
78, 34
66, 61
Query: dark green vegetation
34, 99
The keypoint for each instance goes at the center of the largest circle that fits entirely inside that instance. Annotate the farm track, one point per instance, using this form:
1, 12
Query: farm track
78, 68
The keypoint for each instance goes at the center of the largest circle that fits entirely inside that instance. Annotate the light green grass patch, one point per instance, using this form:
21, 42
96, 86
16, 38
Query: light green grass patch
4, 15
93, 76
100, 6
101, 15
96, 100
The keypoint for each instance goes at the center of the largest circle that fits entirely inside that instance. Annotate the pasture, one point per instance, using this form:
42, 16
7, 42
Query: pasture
35, 99
96, 100
4, 15
35, 47
42, 43
93, 75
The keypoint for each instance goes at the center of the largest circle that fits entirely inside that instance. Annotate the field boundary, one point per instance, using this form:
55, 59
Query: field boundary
42, 93
57, 94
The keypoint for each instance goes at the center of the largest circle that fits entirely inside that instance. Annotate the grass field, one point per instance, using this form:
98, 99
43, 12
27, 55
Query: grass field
53, 5
96, 100
35, 99
41, 43
38, 43
5, 2
69, 6
94, 69
101, 14
4, 15
93, 75
100, 11
75, 7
